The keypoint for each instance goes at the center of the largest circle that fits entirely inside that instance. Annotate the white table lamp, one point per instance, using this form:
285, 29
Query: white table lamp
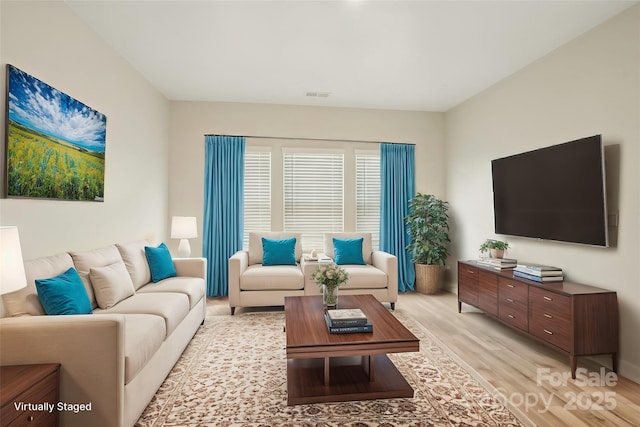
184, 228
12, 276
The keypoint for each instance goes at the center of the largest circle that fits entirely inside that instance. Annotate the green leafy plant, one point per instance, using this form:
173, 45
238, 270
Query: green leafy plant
428, 226
493, 244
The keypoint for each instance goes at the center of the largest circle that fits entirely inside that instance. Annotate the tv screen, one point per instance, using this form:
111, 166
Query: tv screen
553, 193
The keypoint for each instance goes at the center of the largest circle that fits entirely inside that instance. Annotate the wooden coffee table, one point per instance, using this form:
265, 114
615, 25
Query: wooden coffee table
324, 367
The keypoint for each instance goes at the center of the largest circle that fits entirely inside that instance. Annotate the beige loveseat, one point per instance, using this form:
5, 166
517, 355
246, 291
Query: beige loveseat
116, 358
253, 285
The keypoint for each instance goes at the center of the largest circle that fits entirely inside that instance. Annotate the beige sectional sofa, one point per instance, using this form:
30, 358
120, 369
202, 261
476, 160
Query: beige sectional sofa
252, 284
116, 358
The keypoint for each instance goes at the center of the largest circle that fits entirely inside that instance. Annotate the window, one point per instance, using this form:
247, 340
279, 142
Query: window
257, 192
368, 194
313, 194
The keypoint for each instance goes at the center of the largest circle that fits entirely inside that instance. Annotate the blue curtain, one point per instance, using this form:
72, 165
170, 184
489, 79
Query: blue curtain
397, 187
223, 208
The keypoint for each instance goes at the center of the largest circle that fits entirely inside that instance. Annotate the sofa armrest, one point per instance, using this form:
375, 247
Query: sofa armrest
191, 267
238, 263
90, 350
389, 265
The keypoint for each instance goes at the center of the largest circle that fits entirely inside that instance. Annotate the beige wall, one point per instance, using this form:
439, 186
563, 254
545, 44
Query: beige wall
589, 86
190, 121
46, 40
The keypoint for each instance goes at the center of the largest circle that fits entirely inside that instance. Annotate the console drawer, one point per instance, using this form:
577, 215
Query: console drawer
488, 292
550, 317
513, 303
468, 284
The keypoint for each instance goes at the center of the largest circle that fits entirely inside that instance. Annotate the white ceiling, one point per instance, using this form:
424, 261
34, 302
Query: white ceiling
405, 55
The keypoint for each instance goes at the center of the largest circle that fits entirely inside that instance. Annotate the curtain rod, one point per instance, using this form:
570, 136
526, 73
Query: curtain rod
311, 139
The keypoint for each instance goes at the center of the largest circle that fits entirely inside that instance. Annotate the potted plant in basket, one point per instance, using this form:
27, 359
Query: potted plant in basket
329, 277
495, 248
428, 222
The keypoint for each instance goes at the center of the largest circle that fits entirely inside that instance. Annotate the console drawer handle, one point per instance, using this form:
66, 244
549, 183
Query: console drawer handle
549, 332
548, 299
510, 316
548, 316
509, 299
470, 271
510, 286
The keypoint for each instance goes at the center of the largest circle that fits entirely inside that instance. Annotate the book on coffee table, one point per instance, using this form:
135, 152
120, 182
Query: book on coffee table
347, 317
367, 327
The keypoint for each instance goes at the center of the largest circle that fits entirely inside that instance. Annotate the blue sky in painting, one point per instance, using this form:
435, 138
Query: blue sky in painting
39, 106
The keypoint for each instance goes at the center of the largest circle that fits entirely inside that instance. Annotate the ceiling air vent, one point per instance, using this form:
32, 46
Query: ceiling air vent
319, 94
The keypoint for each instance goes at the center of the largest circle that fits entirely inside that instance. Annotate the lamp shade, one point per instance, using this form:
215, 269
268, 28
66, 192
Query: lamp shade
12, 277
184, 227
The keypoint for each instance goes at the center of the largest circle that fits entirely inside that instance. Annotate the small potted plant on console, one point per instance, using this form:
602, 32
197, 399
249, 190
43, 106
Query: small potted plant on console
495, 248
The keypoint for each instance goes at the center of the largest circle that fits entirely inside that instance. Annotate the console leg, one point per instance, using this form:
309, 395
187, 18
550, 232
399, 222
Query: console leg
459, 307
573, 360
233, 310
614, 362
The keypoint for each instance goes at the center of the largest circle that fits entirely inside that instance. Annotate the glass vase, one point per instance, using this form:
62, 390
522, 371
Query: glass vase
330, 296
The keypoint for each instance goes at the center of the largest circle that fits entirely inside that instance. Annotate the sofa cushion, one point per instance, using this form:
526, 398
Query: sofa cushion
134, 258
364, 277
366, 244
172, 307
279, 251
143, 336
348, 251
276, 277
64, 294
193, 287
111, 284
84, 260
255, 244
25, 301
160, 262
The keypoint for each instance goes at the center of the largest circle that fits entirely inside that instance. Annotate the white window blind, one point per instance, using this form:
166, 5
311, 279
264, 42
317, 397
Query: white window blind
313, 195
257, 193
368, 195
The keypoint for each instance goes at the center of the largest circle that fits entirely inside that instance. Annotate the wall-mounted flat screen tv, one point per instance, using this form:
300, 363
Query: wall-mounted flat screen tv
553, 193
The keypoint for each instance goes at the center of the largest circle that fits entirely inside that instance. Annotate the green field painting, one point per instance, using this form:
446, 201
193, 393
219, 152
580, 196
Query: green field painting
45, 167
55, 143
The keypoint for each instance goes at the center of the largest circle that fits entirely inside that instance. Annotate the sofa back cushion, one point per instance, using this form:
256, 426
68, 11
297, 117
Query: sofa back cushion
134, 258
366, 244
111, 284
255, 244
25, 302
84, 260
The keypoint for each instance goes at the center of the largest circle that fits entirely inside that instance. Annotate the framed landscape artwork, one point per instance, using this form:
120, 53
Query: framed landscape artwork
55, 145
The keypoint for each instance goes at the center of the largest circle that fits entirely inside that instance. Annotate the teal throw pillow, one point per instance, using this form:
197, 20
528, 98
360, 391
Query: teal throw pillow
348, 251
64, 294
279, 252
160, 262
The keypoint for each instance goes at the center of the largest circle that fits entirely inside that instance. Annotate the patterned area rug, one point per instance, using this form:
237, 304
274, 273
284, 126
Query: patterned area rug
233, 373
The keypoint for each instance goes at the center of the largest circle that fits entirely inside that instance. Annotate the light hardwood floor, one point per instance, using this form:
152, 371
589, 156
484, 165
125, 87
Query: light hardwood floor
531, 376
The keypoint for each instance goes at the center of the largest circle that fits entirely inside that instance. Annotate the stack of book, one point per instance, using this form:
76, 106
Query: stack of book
498, 263
539, 273
345, 321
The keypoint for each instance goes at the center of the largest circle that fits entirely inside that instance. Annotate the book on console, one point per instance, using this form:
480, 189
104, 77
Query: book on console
539, 267
498, 263
367, 327
536, 272
538, 278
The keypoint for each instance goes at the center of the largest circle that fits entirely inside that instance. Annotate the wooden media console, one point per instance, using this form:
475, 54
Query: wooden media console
576, 319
